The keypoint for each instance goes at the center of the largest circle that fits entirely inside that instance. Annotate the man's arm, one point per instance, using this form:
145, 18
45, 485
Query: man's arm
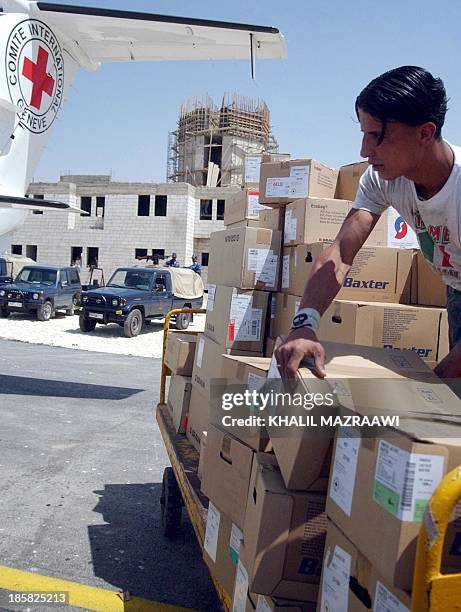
328, 274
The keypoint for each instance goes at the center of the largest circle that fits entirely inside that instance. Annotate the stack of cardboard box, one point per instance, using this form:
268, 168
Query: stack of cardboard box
380, 485
316, 523
390, 298
179, 358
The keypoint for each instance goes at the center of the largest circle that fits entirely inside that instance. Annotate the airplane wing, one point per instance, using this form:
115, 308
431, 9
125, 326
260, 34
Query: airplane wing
106, 35
37, 204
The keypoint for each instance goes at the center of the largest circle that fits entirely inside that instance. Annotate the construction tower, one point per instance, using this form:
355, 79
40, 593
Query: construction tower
210, 144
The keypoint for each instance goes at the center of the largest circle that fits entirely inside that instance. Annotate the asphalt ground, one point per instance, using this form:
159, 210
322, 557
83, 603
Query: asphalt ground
81, 465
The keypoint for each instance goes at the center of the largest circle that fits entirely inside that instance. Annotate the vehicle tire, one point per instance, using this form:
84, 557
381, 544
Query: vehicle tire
45, 311
147, 322
86, 325
133, 324
4, 313
171, 503
71, 310
182, 320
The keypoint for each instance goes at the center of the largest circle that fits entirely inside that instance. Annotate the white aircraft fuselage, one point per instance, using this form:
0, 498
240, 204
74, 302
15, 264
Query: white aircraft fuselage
43, 45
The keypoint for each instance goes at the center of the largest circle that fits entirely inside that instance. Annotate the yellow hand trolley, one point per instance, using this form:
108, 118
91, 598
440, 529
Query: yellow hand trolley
181, 486
432, 590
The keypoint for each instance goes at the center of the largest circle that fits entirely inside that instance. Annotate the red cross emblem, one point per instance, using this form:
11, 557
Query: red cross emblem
41, 80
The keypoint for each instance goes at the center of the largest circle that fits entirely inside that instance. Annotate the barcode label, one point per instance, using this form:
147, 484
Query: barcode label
408, 486
404, 482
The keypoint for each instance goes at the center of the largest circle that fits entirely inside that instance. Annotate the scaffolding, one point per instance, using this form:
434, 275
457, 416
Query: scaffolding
208, 136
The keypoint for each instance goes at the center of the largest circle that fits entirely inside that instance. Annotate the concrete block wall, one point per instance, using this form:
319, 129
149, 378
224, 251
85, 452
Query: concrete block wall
121, 230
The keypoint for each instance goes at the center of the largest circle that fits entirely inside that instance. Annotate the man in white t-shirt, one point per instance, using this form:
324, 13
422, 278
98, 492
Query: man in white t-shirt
413, 169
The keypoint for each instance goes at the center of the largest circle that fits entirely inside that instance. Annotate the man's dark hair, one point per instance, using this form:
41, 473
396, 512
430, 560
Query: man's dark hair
408, 94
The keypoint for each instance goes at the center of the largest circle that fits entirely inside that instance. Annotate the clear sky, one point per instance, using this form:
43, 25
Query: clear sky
116, 121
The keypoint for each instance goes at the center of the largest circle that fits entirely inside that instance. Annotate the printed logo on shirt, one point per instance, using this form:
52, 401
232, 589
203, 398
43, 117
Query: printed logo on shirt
432, 241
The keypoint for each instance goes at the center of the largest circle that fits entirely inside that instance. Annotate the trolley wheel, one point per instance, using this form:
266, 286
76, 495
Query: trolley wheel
171, 503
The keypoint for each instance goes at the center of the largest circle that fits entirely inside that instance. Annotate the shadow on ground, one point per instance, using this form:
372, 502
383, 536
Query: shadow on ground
131, 553
21, 385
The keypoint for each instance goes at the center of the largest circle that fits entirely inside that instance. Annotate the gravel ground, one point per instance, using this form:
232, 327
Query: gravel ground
64, 331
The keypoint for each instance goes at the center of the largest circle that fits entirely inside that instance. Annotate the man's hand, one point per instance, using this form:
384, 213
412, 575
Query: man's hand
300, 344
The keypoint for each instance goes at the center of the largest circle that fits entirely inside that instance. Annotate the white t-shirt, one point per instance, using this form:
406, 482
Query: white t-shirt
437, 221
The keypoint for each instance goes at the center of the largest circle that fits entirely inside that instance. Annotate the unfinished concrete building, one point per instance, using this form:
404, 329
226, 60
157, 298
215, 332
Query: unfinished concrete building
126, 220
210, 143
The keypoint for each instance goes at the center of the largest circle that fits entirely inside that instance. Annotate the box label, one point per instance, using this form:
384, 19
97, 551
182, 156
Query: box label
431, 527
293, 186
404, 482
345, 468
385, 601
210, 543
263, 263
254, 207
235, 540
255, 382
278, 187
201, 346
211, 294
262, 605
286, 272
291, 223
299, 176
246, 321
252, 168
241, 588
335, 581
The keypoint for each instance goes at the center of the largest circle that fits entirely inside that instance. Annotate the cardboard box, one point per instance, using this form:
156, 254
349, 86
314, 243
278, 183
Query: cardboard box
350, 582
198, 419
285, 181
378, 274
380, 487
179, 353
270, 604
221, 548
348, 180
314, 220
242, 373
244, 223
243, 205
430, 288
272, 218
245, 257
253, 162
417, 328
304, 454
286, 306
226, 473
178, 400
208, 364
244, 601
236, 318
284, 535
